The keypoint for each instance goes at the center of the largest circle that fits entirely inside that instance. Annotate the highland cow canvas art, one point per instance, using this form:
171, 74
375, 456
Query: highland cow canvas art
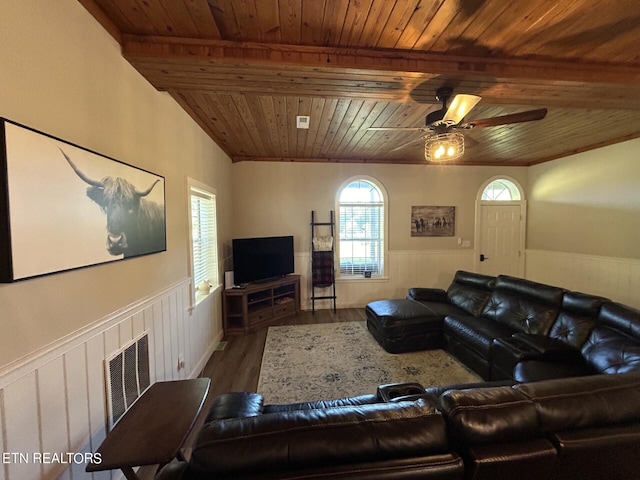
68, 207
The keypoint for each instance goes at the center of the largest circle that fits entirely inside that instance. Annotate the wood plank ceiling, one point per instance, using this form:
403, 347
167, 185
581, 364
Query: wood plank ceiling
244, 69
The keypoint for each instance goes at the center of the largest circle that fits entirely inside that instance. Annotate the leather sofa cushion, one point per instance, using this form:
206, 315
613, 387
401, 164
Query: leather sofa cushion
476, 334
621, 317
471, 300
484, 282
235, 405
520, 313
614, 344
572, 328
307, 438
577, 318
581, 402
537, 292
483, 415
470, 291
609, 351
583, 303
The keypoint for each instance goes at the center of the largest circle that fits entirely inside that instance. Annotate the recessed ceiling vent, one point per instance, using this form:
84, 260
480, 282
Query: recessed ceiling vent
302, 121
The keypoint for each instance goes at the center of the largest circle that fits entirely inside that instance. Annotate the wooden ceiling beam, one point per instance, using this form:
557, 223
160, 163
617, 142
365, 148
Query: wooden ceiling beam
242, 54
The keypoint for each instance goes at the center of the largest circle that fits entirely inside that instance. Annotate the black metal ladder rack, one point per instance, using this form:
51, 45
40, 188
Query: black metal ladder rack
322, 263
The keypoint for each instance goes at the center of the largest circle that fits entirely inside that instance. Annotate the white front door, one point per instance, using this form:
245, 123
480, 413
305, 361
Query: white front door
500, 242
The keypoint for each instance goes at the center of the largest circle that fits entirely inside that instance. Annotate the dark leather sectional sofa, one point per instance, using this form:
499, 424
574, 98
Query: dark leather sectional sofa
582, 424
511, 328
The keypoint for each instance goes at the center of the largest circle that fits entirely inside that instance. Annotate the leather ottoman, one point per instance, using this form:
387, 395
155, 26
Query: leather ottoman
404, 325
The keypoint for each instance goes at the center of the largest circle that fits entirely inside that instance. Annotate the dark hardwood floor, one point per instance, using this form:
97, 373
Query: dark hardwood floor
237, 367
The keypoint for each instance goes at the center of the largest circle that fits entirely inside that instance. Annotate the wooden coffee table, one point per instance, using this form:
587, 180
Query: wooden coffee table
154, 429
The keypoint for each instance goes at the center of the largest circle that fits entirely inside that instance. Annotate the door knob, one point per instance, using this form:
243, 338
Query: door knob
483, 258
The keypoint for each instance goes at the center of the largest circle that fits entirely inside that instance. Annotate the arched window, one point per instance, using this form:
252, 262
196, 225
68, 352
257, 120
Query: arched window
501, 189
361, 221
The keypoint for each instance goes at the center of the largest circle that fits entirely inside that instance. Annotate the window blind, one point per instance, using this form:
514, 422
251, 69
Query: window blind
361, 238
204, 237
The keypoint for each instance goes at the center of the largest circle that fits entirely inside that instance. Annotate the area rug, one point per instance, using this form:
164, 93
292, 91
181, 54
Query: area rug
333, 360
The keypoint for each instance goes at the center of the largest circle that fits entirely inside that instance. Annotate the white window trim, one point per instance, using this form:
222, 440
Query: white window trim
195, 296
500, 177
385, 250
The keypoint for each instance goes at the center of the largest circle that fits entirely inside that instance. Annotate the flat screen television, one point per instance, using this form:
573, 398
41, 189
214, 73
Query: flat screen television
261, 259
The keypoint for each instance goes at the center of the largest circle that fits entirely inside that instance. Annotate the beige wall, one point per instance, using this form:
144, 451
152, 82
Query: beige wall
62, 74
277, 198
587, 203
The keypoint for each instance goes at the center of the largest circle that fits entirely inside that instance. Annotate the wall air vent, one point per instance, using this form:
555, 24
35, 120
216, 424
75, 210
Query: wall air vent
127, 376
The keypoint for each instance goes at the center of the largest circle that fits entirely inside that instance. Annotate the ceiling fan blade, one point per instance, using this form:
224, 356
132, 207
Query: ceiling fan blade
396, 129
469, 141
527, 116
460, 106
415, 141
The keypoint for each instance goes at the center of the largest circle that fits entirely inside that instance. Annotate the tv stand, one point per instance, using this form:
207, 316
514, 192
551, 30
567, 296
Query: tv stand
260, 304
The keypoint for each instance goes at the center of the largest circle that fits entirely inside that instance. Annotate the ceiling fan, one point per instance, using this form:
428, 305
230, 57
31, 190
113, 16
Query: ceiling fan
441, 140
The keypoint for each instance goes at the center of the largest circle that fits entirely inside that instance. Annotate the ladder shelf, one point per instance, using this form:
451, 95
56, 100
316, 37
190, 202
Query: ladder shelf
322, 260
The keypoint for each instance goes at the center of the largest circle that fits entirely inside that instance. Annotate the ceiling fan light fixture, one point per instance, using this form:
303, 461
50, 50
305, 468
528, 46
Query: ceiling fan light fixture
443, 147
460, 106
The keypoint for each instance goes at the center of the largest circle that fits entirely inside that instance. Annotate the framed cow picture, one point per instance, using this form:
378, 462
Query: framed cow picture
65, 207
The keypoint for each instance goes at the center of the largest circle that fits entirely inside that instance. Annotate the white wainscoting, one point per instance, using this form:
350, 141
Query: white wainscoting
54, 400
611, 277
404, 269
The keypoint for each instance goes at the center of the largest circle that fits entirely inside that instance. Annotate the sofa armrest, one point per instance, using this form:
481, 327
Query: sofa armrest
172, 471
427, 294
547, 346
438, 390
354, 401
